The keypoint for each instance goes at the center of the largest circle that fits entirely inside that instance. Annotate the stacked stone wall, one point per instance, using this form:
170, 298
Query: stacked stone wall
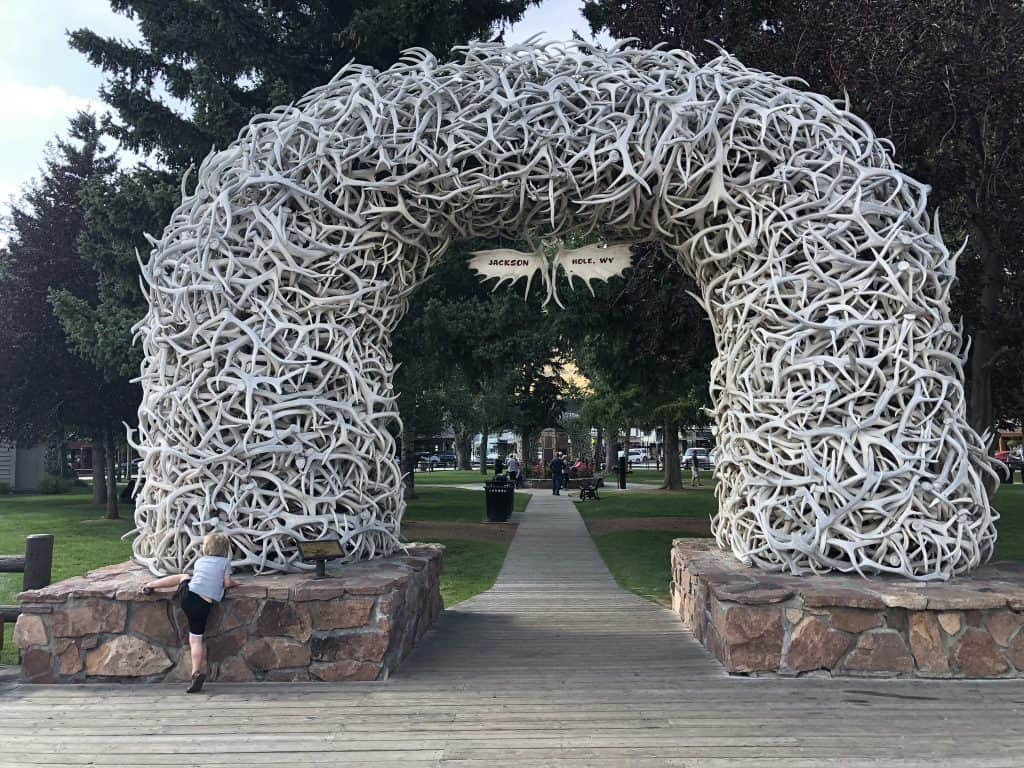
756, 622
358, 624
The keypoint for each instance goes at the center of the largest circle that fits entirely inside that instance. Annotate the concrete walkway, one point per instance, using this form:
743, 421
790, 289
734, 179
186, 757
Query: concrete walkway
553, 666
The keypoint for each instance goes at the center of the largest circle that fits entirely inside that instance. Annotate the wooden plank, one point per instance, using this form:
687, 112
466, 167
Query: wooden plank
554, 666
12, 563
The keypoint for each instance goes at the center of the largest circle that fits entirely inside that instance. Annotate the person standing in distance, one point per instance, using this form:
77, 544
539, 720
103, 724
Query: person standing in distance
557, 468
512, 466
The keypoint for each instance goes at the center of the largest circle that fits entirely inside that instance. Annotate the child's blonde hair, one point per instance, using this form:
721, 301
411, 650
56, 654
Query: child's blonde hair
216, 545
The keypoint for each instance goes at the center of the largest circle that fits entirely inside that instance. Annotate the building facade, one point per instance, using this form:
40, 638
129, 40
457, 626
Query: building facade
21, 469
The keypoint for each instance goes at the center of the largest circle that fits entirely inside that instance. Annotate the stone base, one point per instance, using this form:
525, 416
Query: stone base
358, 624
758, 622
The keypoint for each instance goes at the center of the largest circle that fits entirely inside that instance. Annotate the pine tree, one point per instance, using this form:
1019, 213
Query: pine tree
48, 389
202, 71
942, 80
228, 60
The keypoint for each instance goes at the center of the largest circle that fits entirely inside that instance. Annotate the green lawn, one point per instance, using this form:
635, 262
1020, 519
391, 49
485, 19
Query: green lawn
470, 567
697, 503
452, 477
83, 540
639, 560
1010, 505
452, 505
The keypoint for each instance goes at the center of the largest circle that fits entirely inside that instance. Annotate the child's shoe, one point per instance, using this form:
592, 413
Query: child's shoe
197, 683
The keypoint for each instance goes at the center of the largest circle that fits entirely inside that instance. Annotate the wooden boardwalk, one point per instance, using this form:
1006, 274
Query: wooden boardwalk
554, 666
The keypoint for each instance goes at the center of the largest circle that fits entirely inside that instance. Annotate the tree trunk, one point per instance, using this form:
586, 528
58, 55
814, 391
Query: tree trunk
611, 459
111, 455
527, 456
483, 450
983, 354
673, 477
464, 448
54, 462
408, 462
598, 445
62, 458
99, 488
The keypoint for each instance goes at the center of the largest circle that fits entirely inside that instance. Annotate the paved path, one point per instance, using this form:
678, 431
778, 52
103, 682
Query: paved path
554, 666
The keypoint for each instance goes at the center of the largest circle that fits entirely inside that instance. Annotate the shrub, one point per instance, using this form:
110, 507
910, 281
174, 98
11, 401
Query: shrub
5, 488
51, 484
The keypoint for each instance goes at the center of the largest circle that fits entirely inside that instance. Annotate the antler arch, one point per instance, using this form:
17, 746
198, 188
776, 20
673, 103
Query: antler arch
275, 288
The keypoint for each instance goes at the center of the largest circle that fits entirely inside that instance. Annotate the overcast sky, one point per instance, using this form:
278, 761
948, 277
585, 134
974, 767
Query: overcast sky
43, 81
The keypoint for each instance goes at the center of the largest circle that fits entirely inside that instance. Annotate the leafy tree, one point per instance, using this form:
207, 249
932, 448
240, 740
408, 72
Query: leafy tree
49, 390
490, 352
540, 396
647, 346
463, 411
941, 80
610, 408
419, 402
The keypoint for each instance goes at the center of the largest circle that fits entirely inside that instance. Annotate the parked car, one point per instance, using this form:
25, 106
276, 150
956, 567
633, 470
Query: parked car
703, 458
475, 461
447, 459
713, 457
637, 455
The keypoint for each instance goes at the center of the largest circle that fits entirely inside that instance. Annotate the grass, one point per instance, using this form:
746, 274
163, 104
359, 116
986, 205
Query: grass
452, 505
470, 567
452, 477
1010, 505
83, 541
699, 503
639, 560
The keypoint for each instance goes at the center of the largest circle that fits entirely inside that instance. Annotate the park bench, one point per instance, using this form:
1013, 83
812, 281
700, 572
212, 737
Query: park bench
36, 567
588, 488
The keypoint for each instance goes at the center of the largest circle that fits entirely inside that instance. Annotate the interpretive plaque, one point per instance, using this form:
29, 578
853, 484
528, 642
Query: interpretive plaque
320, 552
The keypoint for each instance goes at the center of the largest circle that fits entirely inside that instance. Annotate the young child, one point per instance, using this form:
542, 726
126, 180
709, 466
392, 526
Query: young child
197, 594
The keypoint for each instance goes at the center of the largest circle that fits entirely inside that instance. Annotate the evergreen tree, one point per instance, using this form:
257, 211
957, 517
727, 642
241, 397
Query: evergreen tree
647, 346
942, 80
228, 60
48, 389
491, 353
203, 69
118, 210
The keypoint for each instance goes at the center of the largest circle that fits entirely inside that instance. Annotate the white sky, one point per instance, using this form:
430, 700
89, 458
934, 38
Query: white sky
43, 81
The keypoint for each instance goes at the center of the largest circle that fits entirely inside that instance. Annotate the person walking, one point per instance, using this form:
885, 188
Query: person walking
513, 469
694, 471
557, 470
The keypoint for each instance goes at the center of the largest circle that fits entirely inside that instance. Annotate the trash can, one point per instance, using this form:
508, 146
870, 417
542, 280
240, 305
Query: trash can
500, 494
